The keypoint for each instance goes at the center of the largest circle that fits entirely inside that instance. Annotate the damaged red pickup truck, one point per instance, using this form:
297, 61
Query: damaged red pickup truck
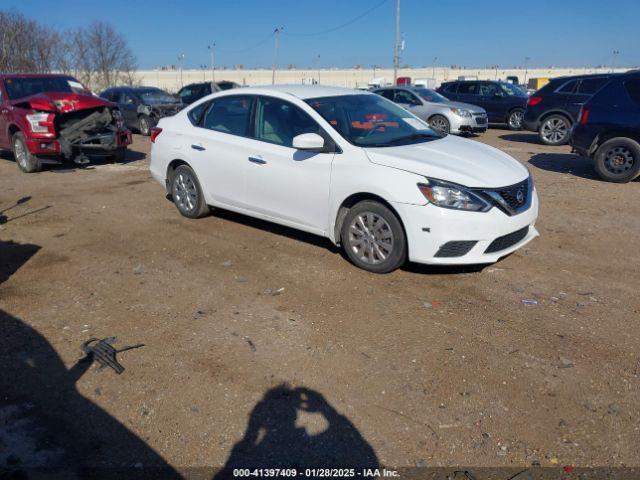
50, 118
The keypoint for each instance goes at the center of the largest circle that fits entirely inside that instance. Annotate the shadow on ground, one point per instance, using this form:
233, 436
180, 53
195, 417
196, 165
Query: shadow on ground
13, 256
48, 428
521, 137
277, 438
565, 163
132, 156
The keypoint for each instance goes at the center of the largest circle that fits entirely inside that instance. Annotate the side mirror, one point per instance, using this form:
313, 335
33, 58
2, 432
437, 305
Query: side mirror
308, 141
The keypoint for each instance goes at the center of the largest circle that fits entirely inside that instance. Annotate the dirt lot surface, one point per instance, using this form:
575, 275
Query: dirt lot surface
267, 339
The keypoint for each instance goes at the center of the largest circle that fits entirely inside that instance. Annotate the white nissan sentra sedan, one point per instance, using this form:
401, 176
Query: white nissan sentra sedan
348, 165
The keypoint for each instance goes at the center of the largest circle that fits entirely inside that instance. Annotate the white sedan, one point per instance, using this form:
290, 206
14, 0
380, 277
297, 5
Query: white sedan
350, 166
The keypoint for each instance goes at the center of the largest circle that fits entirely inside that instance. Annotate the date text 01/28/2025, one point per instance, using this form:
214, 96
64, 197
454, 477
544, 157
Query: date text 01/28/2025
314, 473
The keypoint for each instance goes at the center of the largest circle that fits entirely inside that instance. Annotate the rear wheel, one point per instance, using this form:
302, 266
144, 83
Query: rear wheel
27, 162
618, 160
145, 124
373, 238
554, 130
514, 120
187, 193
440, 124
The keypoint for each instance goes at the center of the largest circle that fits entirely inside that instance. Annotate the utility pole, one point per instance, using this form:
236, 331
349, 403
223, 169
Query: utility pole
433, 66
212, 51
526, 69
276, 36
613, 62
180, 60
396, 48
317, 61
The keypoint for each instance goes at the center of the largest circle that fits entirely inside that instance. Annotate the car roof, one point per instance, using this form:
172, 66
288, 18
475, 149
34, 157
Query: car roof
302, 92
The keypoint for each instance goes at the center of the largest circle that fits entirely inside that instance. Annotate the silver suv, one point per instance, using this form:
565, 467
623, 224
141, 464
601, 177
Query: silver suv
443, 115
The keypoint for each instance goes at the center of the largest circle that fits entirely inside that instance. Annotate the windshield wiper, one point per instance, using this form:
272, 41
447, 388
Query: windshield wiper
415, 136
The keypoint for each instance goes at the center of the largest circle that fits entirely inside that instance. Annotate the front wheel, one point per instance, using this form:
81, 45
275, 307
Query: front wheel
514, 120
187, 193
440, 124
27, 162
554, 130
618, 160
373, 238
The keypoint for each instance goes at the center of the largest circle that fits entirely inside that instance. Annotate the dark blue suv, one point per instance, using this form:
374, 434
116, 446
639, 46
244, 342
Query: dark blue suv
553, 109
504, 102
608, 129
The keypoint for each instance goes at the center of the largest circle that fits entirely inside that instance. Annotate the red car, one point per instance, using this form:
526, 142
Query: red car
47, 118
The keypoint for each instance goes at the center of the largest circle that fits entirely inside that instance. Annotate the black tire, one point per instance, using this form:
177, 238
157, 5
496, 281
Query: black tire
554, 130
514, 119
120, 155
27, 162
186, 193
390, 233
440, 124
618, 160
145, 124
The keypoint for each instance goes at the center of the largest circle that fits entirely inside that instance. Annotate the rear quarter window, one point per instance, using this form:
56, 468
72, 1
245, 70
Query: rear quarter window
195, 114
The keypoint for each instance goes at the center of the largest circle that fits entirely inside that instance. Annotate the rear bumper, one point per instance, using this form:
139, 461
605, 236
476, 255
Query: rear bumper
476, 238
531, 125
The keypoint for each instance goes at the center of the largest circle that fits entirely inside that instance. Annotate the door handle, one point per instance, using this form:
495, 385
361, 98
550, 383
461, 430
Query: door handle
257, 160
200, 148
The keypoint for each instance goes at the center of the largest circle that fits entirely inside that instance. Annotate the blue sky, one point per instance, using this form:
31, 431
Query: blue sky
461, 32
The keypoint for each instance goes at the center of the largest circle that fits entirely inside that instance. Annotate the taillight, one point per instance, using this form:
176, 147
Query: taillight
41, 122
583, 116
533, 101
155, 131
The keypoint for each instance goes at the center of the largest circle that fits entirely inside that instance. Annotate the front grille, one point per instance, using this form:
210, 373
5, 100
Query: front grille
481, 119
455, 248
513, 199
506, 241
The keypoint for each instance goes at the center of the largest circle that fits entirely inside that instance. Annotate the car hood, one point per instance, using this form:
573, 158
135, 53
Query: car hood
453, 159
466, 106
60, 102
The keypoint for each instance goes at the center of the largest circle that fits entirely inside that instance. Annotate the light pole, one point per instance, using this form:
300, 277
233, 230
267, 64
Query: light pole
276, 35
180, 60
212, 52
396, 47
433, 67
526, 69
317, 62
613, 61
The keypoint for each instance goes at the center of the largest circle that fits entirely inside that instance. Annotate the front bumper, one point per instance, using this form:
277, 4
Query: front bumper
478, 123
51, 147
429, 228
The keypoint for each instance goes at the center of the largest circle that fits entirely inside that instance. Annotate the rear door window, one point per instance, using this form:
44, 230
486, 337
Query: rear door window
388, 94
451, 88
403, 96
589, 86
229, 115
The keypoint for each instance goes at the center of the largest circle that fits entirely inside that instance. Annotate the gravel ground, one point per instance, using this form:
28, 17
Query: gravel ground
263, 342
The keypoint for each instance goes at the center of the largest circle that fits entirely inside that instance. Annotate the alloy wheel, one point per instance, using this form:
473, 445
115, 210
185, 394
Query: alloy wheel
515, 119
185, 193
554, 130
20, 152
371, 238
440, 125
619, 160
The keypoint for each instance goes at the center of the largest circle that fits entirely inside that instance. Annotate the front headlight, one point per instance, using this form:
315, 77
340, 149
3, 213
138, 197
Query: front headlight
449, 195
461, 112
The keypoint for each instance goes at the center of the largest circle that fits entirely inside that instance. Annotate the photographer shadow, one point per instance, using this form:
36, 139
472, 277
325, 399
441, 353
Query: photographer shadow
274, 438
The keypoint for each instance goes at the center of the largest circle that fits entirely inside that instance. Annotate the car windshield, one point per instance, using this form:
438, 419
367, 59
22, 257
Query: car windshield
155, 95
512, 90
27, 86
430, 95
368, 120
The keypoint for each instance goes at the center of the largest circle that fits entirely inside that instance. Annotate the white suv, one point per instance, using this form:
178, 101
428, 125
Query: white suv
350, 166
